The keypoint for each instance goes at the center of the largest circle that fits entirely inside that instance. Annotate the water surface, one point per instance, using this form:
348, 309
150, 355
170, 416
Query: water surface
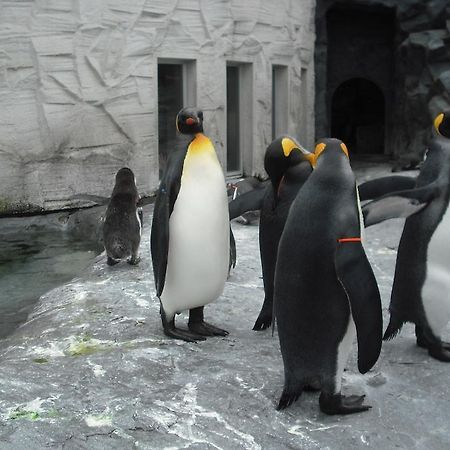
32, 262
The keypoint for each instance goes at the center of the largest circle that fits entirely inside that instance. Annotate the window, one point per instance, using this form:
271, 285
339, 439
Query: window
176, 89
233, 119
280, 105
239, 118
304, 102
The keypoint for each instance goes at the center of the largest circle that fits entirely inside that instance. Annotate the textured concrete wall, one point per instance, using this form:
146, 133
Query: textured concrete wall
78, 85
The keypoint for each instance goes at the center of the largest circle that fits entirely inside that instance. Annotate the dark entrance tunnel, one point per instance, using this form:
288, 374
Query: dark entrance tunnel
358, 116
355, 66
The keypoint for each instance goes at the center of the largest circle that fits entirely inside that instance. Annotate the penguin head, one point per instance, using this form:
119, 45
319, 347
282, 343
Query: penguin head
189, 121
282, 154
442, 124
125, 182
334, 148
125, 174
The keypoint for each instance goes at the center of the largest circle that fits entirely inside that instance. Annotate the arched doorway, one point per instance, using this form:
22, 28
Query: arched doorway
358, 116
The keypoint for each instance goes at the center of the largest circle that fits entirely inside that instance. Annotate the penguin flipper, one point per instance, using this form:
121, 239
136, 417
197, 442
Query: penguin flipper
385, 185
356, 276
400, 204
232, 262
169, 188
249, 201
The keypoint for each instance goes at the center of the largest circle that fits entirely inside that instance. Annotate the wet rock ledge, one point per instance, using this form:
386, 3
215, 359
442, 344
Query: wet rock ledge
92, 369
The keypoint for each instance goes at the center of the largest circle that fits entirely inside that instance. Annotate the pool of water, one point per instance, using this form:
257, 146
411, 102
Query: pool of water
33, 261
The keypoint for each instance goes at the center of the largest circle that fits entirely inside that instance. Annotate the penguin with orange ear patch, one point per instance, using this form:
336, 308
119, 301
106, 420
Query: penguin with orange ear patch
286, 164
325, 290
420, 291
190, 239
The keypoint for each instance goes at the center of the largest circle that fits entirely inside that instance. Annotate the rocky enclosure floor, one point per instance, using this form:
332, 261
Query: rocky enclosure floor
91, 368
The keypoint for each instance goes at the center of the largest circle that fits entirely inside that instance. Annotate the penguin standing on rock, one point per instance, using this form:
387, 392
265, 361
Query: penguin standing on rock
289, 165
421, 288
123, 221
324, 286
285, 163
190, 239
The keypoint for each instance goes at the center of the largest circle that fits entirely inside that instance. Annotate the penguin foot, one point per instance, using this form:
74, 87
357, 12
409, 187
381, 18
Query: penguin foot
440, 352
339, 404
134, 260
287, 398
112, 262
423, 344
183, 335
206, 329
171, 331
436, 348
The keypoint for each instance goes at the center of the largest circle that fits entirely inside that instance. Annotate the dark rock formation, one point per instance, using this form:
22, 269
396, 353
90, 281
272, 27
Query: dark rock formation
419, 85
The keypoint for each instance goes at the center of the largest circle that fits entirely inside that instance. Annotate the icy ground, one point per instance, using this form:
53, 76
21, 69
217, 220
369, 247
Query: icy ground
92, 369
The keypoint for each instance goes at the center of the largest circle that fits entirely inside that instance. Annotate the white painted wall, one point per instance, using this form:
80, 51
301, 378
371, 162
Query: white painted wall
78, 85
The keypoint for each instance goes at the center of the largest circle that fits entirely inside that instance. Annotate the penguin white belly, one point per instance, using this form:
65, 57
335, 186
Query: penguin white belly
199, 238
343, 351
436, 288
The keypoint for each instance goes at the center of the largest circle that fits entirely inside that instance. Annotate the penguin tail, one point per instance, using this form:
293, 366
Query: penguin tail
394, 327
287, 398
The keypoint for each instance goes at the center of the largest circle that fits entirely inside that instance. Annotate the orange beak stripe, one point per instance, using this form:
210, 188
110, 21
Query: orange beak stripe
353, 239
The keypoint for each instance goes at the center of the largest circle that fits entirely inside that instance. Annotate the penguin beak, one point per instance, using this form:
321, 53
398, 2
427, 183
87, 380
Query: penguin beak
190, 121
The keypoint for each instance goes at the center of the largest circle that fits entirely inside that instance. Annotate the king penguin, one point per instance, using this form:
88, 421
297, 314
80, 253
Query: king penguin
286, 162
324, 285
289, 165
123, 221
190, 238
421, 288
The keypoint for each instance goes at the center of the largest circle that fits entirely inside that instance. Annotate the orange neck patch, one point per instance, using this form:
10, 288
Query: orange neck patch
201, 143
352, 239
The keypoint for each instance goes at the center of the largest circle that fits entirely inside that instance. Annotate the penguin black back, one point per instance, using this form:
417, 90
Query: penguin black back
122, 227
321, 271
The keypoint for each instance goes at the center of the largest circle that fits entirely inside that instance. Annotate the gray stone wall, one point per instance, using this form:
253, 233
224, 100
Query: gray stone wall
421, 82
78, 85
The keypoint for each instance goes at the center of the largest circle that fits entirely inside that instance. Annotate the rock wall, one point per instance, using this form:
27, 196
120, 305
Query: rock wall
78, 83
421, 81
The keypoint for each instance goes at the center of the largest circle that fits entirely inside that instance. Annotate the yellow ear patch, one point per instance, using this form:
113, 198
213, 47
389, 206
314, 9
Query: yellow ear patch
344, 148
438, 121
288, 145
319, 149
